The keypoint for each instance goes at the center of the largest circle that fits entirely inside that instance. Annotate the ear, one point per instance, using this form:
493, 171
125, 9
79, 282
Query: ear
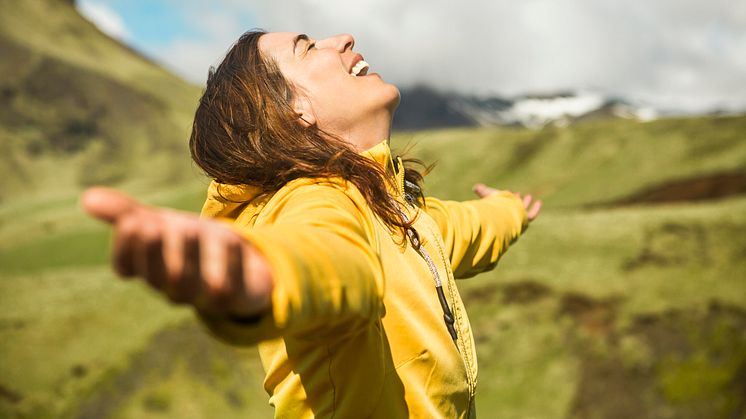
306, 117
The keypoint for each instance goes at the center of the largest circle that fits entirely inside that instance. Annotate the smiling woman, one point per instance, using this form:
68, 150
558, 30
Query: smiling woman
361, 107
333, 261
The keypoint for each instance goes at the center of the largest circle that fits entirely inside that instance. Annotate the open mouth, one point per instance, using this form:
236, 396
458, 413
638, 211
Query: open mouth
360, 69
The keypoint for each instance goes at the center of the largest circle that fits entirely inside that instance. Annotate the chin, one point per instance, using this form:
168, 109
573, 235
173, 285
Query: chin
393, 98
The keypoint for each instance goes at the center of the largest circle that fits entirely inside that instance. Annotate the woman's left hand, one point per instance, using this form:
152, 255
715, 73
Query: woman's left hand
532, 206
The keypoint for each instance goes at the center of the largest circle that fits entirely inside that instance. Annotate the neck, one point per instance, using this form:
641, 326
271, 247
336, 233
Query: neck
370, 132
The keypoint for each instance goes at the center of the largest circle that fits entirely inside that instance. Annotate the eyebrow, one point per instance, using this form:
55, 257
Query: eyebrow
301, 37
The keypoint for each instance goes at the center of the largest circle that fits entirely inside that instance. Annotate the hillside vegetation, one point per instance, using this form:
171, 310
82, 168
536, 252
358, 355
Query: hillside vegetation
80, 109
626, 298
598, 311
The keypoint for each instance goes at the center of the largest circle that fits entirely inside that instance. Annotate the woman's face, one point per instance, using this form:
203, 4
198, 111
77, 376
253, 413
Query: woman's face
327, 93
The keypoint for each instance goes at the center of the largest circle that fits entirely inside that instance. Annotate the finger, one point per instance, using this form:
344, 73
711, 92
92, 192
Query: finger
257, 280
176, 234
107, 204
238, 274
533, 212
152, 265
214, 258
186, 289
125, 241
527, 200
483, 190
173, 252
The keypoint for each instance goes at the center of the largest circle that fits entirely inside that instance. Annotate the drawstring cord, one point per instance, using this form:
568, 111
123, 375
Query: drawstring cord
447, 314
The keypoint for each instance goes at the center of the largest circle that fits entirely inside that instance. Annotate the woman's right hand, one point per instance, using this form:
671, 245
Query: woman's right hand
531, 206
191, 260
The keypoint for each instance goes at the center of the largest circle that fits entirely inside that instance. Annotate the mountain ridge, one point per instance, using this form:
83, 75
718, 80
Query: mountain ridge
425, 107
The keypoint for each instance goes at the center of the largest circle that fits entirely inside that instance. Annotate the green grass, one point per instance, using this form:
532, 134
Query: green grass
75, 249
65, 35
83, 109
63, 312
57, 322
647, 303
584, 164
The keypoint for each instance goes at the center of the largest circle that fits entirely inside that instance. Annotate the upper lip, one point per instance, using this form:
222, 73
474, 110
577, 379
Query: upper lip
355, 59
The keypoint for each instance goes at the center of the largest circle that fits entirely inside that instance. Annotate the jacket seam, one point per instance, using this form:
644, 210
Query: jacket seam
331, 381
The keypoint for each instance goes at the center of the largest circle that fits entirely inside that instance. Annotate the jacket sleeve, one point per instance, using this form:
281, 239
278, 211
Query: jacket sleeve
327, 274
476, 233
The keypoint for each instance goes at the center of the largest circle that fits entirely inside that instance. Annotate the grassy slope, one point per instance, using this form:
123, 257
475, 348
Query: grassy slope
77, 342
73, 95
589, 163
642, 261
65, 35
584, 278
67, 326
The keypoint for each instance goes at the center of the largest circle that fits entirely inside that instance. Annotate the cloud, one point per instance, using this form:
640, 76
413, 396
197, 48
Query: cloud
192, 59
105, 19
217, 28
674, 54
683, 54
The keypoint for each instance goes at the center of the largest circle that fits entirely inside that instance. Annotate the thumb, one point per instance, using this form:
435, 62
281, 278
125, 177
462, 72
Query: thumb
108, 204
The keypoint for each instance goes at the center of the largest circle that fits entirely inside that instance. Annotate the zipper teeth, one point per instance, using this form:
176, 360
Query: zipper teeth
426, 256
423, 252
400, 165
472, 380
420, 249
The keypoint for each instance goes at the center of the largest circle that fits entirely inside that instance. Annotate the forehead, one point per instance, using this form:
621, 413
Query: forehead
277, 45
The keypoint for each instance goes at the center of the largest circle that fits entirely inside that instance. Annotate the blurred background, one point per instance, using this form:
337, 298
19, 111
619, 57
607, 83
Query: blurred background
626, 298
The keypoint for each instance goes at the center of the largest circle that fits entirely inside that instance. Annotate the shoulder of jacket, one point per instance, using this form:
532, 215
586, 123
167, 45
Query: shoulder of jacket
310, 192
327, 187
327, 194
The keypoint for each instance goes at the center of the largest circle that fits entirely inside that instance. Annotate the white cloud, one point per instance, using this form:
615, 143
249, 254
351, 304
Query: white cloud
105, 19
192, 59
685, 54
680, 54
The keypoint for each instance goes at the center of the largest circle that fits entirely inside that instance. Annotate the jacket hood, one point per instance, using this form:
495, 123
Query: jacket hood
227, 201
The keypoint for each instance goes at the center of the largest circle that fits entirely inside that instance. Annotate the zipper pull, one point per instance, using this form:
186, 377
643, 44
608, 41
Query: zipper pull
447, 315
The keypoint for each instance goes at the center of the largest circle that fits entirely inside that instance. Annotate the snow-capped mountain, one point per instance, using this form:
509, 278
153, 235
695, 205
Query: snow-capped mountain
561, 109
423, 107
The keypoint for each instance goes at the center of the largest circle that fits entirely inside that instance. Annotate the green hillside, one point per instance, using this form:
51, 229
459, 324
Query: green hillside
626, 298
80, 109
592, 163
598, 311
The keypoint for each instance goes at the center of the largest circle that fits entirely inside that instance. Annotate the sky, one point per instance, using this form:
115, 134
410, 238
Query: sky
680, 55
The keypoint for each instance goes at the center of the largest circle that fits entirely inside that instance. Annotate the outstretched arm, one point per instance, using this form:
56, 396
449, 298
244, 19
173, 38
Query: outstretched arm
476, 233
309, 269
191, 260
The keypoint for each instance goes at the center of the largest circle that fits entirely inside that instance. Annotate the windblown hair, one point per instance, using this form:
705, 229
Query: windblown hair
245, 131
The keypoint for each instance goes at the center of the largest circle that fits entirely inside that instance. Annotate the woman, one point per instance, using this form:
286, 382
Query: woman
331, 259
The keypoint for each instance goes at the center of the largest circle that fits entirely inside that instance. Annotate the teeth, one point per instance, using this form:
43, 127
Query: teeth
360, 69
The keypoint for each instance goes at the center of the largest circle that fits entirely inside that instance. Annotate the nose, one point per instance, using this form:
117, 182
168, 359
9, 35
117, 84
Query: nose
341, 42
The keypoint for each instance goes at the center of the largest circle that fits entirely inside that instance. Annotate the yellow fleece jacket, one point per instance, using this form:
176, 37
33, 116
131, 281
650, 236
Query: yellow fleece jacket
355, 328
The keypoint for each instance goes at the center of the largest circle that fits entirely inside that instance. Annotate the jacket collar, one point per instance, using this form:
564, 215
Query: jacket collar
381, 154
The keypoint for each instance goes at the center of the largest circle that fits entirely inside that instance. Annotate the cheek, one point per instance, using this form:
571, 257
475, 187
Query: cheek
324, 88
330, 92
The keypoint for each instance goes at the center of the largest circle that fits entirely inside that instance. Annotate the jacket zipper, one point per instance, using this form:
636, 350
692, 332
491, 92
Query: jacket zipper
472, 380
448, 316
398, 166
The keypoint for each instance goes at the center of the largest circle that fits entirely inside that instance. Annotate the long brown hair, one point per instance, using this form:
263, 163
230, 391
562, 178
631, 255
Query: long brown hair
246, 132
